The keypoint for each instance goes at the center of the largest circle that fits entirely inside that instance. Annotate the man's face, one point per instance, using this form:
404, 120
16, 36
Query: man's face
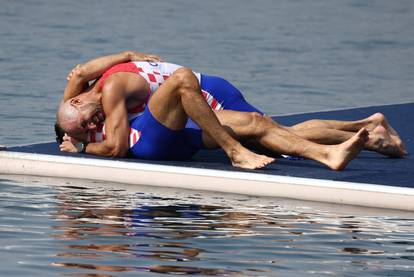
89, 115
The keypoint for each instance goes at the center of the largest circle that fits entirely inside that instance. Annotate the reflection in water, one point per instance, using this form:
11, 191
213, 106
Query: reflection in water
88, 216
74, 231
113, 232
166, 269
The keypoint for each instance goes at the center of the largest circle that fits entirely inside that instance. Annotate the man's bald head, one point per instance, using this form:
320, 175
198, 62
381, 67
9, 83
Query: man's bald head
68, 118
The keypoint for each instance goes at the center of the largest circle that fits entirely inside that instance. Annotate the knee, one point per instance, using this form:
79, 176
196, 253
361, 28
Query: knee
265, 124
185, 79
257, 122
255, 117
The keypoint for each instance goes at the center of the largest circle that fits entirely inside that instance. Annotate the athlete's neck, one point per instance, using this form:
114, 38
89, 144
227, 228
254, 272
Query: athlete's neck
95, 94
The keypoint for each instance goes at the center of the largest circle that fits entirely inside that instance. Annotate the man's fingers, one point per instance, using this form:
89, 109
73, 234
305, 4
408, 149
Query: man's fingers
67, 146
153, 58
137, 56
77, 67
62, 147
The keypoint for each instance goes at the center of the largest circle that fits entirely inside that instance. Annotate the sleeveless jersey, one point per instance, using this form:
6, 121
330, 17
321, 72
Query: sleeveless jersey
155, 73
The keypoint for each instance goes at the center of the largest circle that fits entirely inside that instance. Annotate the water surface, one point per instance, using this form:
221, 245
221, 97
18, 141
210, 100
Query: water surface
286, 56
84, 229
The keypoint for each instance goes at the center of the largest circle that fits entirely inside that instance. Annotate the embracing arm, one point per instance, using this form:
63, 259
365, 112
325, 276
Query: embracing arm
91, 70
116, 143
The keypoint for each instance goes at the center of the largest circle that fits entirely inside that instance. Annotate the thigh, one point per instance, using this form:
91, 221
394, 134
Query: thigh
165, 103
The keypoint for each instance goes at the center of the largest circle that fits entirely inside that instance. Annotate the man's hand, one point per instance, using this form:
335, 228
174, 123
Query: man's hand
70, 144
75, 70
136, 56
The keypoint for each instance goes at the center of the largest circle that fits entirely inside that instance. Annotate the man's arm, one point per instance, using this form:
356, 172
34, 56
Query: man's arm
91, 70
116, 143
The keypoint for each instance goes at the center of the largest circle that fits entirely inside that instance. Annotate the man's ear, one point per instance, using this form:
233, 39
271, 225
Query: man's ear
91, 126
75, 101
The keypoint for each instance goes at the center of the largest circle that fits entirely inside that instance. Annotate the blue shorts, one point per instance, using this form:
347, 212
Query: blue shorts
157, 142
226, 94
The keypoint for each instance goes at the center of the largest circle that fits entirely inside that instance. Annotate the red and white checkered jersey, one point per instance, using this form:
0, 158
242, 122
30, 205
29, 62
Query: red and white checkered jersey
155, 73
98, 135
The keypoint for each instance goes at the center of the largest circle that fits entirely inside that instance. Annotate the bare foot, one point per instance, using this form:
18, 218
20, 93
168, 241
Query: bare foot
244, 158
378, 119
382, 142
340, 155
400, 145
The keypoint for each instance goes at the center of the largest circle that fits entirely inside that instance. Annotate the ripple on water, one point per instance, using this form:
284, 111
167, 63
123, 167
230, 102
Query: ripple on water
78, 231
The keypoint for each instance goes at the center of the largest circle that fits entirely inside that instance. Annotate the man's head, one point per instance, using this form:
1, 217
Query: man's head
79, 114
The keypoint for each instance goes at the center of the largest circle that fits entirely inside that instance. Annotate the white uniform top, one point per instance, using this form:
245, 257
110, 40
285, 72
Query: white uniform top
155, 73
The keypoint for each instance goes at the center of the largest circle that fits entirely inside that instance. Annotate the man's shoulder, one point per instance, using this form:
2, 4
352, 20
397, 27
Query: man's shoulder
124, 83
115, 81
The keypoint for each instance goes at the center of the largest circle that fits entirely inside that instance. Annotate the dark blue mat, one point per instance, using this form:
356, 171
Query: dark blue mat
369, 167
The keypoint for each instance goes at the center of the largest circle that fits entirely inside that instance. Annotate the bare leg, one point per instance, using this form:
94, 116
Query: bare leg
369, 123
253, 126
179, 98
379, 139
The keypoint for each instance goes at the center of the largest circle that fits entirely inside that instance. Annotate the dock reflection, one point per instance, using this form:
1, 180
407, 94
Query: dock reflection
102, 228
109, 233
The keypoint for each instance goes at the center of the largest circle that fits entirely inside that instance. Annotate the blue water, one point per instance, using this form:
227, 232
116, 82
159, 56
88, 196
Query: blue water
77, 229
286, 56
